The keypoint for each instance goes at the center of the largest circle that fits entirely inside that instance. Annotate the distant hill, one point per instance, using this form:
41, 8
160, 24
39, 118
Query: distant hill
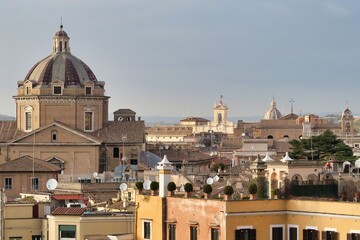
6, 118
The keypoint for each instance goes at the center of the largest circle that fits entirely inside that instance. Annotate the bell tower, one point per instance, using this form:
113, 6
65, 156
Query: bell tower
220, 112
347, 122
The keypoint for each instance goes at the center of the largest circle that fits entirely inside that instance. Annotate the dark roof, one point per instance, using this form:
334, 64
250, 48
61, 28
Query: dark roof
178, 155
76, 211
8, 131
195, 119
124, 111
113, 132
26, 164
290, 116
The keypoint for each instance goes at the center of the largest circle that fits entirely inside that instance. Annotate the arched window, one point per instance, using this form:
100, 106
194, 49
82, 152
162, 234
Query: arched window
28, 118
219, 117
60, 46
270, 137
54, 136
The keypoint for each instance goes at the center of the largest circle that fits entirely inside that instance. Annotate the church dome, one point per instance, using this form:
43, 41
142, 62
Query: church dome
273, 113
61, 65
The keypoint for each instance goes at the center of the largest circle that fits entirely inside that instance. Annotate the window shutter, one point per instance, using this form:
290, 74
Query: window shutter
336, 235
314, 235
323, 235
348, 236
237, 234
305, 234
252, 234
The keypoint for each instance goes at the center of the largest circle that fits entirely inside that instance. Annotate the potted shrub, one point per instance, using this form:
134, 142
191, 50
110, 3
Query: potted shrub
139, 186
252, 190
276, 193
171, 187
207, 190
188, 187
154, 186
228, 191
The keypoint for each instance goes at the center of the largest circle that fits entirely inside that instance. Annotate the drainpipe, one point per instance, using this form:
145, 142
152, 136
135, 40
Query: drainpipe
164, 217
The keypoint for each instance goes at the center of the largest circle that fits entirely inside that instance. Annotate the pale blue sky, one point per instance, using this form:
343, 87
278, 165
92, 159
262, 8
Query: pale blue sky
176, 57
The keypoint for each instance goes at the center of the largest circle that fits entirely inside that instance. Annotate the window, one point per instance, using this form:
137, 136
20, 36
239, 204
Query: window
27, 90
310, 234
329, 235
53, 136
214, 234
57, 90
8, 183
67, 232
147, 230
15, 238
277, 233
88, 121
28, 121
293, 233
37, 237
34, 183
245, 234
88, 90
116, 152
353, 236
193, 232
172, 231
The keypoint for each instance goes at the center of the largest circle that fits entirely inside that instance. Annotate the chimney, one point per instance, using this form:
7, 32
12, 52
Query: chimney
165, 169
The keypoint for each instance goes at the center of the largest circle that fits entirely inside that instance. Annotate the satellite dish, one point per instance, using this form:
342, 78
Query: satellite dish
216, 178
123, 187
166, 147
182, 189
95, 174
147, 184
51, 184
210, 181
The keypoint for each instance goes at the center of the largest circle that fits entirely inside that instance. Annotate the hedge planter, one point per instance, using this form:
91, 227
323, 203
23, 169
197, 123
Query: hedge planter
171, 187
228, 191
188, 187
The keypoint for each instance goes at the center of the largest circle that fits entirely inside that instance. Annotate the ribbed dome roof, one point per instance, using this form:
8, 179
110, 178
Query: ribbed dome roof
273, 112
61, 65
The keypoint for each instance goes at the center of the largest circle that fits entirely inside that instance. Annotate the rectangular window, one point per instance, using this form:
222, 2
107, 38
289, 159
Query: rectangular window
193, 232
8, 183
172, 232
214, 234
34, 183
277, 233
37, 237
67, 232
293, 233
15, 238
147, 230
116, 152
27, 90
57, 90
88, 90
245, 234
353, 236
28, 121
310, 234
329, 235
88, 121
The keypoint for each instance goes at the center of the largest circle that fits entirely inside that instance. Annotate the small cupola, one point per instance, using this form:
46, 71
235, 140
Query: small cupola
61, 41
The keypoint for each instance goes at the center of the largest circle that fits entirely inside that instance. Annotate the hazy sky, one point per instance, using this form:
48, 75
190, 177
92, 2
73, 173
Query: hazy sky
176, 57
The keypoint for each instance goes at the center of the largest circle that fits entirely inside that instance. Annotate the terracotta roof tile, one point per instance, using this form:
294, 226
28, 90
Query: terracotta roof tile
114, 131
69, 211
25, 164
8, 130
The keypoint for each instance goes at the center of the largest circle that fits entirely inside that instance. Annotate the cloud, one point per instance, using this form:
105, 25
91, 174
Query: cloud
337, 10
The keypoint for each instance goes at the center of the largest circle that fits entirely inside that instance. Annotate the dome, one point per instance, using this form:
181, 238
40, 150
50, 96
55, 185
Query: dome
273, 113
61, 65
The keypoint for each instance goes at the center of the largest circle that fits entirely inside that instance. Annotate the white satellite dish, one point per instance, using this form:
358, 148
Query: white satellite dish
216, 178
123, 187
95, 174
51, 184
182, 189
147, 184
210, 181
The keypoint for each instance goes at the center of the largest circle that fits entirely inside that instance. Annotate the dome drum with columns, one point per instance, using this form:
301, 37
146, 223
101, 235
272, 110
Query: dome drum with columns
63, 88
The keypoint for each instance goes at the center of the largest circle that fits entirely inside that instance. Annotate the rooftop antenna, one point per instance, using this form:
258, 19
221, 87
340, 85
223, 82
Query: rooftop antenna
291, 102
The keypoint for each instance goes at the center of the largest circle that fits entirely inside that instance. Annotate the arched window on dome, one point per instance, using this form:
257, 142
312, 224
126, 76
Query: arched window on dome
60, 46
65, 48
